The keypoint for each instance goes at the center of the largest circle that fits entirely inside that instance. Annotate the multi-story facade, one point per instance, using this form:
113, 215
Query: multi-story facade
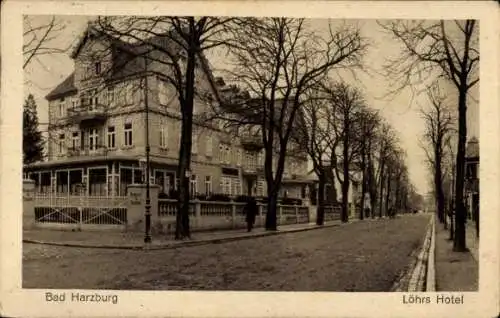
97, 135
472, 178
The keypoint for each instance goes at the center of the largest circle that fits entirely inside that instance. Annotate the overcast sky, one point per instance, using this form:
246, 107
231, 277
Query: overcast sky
45, 72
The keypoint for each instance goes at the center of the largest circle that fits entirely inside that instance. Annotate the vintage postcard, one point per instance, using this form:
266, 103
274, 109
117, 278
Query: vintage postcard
249, 159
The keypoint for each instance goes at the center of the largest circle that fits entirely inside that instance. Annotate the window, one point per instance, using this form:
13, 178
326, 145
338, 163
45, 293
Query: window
111, 137
239, 157
236, 186
194, 144
95, 98
129, 98
209, 146
93, 139
471, 171
60, 112
226, 185
84, 100
61, 143
221, 153
193, 185
75, 139
111, 95
162, 92
74, 103
163, 136
128, 134
227, 154
97, 68
208, 185
260, 188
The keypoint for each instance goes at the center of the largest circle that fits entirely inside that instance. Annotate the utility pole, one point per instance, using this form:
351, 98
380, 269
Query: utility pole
147, 234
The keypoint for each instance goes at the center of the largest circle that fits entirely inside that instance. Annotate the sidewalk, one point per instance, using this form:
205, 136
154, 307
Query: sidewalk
471, 240
456, 271
134, 240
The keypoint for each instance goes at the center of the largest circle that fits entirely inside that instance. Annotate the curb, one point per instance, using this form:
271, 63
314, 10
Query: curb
418, 276
415, 278
430, 285
179, 244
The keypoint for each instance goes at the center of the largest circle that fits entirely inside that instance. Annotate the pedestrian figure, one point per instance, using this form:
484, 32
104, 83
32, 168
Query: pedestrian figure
251, 212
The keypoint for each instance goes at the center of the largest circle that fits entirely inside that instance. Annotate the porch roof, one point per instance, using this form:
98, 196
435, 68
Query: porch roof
298, 181
68, 162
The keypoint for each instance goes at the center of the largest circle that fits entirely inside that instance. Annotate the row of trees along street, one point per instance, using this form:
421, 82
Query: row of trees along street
434, 52
286, 85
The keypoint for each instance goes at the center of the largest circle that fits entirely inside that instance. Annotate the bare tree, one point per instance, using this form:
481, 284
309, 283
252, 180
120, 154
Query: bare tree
440, 49
316, 136
368, 123
439, 125
348, 104
178, 44
39, 36
277, 60
387, 142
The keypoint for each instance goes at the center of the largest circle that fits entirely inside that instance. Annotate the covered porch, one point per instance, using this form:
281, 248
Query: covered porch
105, 178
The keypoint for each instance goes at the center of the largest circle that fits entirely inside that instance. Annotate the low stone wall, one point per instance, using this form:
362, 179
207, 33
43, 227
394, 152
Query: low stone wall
94, 213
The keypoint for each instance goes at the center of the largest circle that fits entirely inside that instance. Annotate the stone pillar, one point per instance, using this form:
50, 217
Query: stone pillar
137, 206
233, 214
28, 203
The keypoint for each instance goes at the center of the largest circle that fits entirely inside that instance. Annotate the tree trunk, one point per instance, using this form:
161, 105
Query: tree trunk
272, 206
459, 243
345, 182
388, 193
333, 189
182, 218
320, 210
381, 191
397, 199
372, 185
438, 183
452, 224
363, 183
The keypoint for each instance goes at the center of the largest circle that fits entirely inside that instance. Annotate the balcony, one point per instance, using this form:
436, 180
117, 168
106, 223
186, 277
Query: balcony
89, 113
251, 142
86, 151
252, 168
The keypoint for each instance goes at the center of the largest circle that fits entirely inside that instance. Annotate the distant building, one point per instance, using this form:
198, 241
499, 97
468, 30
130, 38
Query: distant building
96, 130
472, 178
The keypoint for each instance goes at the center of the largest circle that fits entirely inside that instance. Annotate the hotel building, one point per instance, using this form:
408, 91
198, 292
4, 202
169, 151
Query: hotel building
97, 121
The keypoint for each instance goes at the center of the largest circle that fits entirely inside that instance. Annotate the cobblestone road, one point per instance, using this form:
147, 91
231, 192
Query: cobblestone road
363, 256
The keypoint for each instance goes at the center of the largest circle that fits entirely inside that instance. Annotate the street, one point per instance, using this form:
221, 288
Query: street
362, 256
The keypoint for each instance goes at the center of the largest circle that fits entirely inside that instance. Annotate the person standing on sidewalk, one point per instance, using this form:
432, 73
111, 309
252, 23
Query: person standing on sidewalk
251, 212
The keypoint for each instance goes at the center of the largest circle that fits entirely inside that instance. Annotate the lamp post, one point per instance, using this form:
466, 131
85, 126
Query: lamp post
188, 177
147, 234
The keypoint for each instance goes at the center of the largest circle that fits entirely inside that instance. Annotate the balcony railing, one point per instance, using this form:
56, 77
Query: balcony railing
86, 113
251, 142
87, 151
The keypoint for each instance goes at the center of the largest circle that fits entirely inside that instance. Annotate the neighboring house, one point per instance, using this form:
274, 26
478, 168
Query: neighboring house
472, 178
96, 131
354, 195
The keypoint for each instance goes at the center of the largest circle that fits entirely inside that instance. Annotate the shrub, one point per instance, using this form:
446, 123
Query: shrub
242, 198
219, 197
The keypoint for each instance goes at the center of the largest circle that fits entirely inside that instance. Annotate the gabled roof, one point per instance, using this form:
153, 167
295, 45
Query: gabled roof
66, 87
125, 59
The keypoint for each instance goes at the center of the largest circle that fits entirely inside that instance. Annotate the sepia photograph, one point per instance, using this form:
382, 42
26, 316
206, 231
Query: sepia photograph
250, 153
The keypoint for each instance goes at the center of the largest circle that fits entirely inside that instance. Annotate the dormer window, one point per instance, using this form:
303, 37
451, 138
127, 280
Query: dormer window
60, 112
97, 68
